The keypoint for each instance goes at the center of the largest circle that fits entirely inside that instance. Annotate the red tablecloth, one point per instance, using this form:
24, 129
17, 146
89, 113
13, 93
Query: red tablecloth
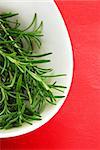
77, 124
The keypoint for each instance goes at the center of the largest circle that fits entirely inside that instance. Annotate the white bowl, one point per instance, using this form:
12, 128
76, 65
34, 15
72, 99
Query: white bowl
56, 40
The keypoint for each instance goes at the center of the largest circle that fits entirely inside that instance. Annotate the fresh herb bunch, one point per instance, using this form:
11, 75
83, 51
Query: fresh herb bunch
24, 87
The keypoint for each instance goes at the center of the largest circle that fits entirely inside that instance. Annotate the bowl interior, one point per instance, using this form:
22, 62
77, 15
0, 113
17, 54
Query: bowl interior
55, 40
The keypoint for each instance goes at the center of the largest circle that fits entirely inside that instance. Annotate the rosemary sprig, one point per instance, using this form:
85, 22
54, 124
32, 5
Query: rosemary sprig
24, 88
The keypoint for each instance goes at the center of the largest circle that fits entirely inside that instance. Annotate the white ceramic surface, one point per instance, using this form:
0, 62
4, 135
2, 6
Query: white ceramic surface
56, 40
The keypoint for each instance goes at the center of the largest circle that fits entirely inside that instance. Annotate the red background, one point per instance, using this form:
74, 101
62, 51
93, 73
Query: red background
77, 124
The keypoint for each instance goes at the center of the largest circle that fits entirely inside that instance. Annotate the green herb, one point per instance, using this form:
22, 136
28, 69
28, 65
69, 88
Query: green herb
24, 86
